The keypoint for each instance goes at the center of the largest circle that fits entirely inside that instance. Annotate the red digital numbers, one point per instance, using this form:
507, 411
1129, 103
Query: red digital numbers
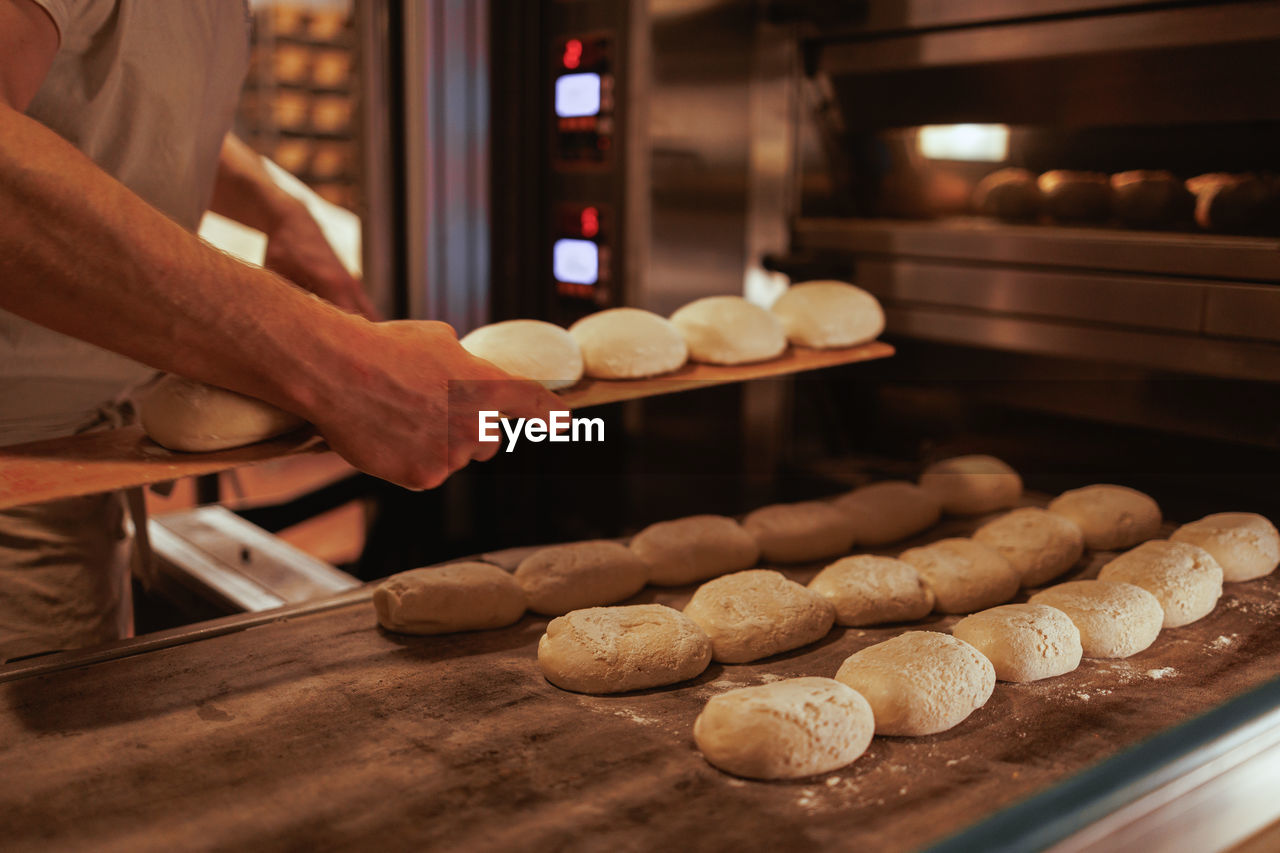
590, 221
572, 53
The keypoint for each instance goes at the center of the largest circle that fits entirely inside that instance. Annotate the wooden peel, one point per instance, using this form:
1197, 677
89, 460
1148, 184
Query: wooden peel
124, 458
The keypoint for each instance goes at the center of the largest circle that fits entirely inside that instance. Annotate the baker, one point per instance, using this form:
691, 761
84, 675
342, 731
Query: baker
114, 140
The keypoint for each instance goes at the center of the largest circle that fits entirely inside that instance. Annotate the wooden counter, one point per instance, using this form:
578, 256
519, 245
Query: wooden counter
321, 731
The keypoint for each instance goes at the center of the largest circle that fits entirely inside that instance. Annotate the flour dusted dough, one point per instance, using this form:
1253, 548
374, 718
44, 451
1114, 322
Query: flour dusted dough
582, 574
753, 614
1111, 517
1184, 578
1024, 642
888, 512
800, 532
964, 575
693, 549
1039, 544
870, 590
972, 485
1245, 544
1115, 619
785, 730
531, 349
826, 314
628, 343
920, 682
729, 330
182, 414
458, 597
615, 649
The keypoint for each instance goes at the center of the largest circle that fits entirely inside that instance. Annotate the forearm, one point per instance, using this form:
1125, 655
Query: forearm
244, 191
83, 255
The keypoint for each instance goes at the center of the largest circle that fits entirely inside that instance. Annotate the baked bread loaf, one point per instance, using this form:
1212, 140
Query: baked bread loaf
965, 576
785, 730
890, 511
182, 414
616, 649
920, 682
1076, 196
729, 330
693, 549
1024, 642
1230, 203
468, 596
1150, 199
1184, 578
1115, 619
800, 532
757, 613
1039, 544
827, 314
569, 577
530, 349
870, 590
1245, 544
1110, 517
1008, 194
972, 485
628, 343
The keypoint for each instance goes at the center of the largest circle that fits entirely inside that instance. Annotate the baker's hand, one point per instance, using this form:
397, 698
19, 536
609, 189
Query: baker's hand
408, 411
297, 249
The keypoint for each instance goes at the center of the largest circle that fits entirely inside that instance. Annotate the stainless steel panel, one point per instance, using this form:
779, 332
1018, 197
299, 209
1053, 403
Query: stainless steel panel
1243, 312
378, 237
882, 15
1199, 255
1126, 301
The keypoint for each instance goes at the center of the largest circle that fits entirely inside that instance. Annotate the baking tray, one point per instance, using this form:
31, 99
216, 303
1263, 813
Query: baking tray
319, 729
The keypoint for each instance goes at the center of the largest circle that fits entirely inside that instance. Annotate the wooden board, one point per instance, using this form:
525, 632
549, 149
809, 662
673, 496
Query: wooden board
103, 461
323, 732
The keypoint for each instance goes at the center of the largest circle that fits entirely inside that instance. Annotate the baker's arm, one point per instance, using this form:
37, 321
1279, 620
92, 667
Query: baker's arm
81, 254
296, 247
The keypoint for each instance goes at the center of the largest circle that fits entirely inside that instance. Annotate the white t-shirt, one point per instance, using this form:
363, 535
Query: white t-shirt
147, 90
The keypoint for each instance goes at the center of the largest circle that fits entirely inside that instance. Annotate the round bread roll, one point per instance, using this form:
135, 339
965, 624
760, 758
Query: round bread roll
965, 576
457, 597
1008, 194
1150, 199
1115, 619
1110, 517
1184, 578
972, 485
1245, 544
1231, 203
693, 549
826, 314
729, 330
800, 532
870, 590
784, 730
182, 414
887, 512
920, 682
1039, 544
531, 349
1024, 642
615, 649
1076, 196
757, 613
582, 574
628, 343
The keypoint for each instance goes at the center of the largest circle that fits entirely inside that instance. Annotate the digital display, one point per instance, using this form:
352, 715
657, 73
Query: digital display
578, 95
576, 261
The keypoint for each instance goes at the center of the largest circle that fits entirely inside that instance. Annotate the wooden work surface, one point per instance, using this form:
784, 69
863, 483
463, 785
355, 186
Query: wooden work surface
119, 459
322, 731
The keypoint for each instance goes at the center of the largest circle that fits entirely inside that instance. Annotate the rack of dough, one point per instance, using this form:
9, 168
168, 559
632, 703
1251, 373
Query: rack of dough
118, 459
457, 740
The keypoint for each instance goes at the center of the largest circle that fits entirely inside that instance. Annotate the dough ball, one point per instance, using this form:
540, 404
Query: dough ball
1009, 194
182, 414
1111, 517
628, 343
757, 613
1150, 198
693, 549
582, 574
457, 597
870, 590
729, 330
1115, 619
1184, 578
1039, 544
824, 314
920, 682
531, 349
965, 576
615, 649
972, 485
888, 512
784, 730
1024, 642
1076, 196
801, 532
1245, 544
